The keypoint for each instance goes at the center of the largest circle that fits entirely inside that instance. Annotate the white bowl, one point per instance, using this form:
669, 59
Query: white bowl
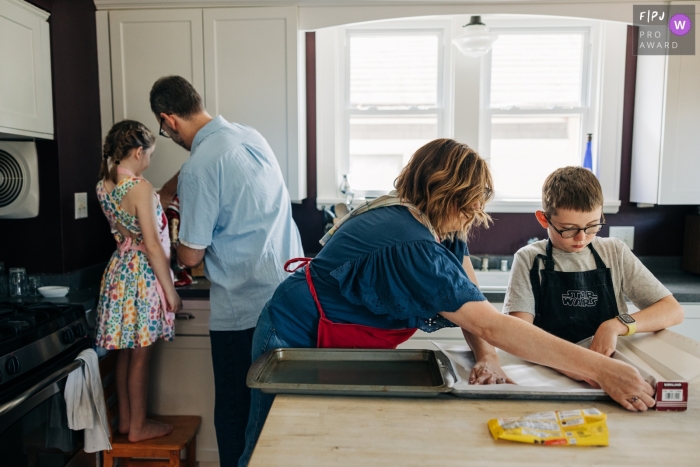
52, 291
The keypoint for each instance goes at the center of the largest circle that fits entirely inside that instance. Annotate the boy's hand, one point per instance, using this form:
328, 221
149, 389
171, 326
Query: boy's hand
605, 339
488, 371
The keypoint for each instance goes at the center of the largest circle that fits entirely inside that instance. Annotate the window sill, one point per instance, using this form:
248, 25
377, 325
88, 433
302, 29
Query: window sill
505, 206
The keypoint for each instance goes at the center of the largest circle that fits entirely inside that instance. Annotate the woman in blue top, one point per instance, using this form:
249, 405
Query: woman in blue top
399, 264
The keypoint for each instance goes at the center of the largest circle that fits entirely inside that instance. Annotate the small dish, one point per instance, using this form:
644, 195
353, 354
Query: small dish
52, 291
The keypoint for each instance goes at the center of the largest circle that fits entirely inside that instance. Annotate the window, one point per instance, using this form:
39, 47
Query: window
394, 102
385, 88
536, 107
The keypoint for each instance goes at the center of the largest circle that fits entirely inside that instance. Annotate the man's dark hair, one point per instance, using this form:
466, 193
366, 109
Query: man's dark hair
175, 95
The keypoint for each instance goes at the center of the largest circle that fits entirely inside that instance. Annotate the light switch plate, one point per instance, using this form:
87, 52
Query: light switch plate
626, 234
80, 205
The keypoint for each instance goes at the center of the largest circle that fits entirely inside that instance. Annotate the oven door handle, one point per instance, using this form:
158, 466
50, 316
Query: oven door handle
40, 386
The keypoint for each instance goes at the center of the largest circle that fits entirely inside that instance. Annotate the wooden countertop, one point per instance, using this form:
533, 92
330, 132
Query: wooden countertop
446, 431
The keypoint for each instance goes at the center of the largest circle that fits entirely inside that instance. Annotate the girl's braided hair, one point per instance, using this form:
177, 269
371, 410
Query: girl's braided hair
120, 141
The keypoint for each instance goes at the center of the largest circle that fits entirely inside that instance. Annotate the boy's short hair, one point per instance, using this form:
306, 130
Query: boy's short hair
175, 95
573, 188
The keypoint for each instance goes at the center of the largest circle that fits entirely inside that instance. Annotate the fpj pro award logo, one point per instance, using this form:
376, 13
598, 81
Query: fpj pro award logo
665, 29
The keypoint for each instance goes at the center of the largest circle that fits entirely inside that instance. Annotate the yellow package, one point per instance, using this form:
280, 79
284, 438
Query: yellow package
586, 427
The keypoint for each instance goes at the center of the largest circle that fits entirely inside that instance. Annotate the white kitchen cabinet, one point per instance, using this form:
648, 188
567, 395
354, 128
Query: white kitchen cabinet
26, 107
666, 140
182, 378
251, 74
243, 61
146, 45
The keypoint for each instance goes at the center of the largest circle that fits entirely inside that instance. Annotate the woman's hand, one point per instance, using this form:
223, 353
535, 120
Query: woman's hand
577, 377
488, 371
624, 384
173, 299
605, 338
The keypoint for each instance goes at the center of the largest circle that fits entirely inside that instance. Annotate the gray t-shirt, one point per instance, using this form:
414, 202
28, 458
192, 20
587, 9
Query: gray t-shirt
630, 277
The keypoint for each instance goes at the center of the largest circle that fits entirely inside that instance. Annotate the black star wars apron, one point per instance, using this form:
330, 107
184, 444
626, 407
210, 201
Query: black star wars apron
571, 305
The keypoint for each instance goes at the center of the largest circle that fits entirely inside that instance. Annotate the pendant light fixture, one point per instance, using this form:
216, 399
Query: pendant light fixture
476, 40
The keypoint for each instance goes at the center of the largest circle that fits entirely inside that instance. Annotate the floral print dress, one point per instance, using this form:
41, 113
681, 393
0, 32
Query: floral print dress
131, 312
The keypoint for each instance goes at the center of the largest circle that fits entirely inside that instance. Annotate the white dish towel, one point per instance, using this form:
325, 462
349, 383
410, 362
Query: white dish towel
85, 403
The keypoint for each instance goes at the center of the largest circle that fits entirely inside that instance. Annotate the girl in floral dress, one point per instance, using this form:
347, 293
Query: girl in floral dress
138, 300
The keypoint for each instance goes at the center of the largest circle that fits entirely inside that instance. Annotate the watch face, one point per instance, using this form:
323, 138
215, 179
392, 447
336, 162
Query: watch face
627, 319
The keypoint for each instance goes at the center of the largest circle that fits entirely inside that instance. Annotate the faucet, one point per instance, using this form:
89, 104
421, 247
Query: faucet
347, 190
484, 262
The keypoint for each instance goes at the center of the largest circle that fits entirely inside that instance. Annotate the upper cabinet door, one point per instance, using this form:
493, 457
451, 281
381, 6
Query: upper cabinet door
25, 71
680, 163
666, 135
146, 45
251, 68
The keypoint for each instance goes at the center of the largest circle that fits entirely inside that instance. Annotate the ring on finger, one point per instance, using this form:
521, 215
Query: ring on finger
500, 380
634, 399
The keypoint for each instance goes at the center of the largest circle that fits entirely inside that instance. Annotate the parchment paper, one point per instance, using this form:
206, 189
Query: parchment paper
529, 377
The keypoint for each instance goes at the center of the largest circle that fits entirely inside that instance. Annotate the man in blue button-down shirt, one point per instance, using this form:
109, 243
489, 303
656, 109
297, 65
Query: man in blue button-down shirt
235, 213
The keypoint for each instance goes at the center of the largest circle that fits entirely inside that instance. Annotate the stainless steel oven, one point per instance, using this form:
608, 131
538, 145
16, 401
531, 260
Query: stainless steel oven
34, 365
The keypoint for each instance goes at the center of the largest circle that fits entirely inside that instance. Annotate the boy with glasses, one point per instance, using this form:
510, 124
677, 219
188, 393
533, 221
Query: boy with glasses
574, 284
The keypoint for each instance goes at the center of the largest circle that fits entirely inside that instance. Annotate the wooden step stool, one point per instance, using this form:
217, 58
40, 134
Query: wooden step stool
159, 452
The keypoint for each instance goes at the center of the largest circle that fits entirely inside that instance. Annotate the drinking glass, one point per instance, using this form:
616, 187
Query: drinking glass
18, 282
3, 280
34, 284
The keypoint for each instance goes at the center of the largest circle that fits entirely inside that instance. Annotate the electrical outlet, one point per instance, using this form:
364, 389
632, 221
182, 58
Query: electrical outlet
80, 205
626, 234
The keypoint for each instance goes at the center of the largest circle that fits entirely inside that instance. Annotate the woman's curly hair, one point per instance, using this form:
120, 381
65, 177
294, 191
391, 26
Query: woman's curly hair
122, 138
445, 178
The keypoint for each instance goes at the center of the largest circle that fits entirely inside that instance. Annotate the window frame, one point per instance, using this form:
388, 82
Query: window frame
341, 164
463, 107
349, 112
584, 110
604, 98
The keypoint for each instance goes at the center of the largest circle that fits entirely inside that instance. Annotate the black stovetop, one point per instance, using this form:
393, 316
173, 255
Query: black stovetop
24, 323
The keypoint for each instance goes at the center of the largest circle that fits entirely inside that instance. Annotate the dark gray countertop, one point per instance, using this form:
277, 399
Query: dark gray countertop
86, 297
684, 286
199, 290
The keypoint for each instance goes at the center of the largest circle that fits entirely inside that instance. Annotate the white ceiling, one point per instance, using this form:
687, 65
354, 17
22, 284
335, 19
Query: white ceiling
133, 4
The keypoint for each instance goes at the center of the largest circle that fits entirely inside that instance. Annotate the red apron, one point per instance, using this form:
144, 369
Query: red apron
348, 336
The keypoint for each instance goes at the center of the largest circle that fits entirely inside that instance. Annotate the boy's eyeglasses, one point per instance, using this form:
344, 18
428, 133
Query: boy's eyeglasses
571, 233
160, 130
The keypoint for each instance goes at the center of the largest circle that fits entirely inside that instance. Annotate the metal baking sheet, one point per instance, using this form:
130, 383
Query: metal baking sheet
407, 373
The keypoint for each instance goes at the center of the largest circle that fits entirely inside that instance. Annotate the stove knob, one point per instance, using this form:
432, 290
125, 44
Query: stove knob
12, 365
67, 337
79, 330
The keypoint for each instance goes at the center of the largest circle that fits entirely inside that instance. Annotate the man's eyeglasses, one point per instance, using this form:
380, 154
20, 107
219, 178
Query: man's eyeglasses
161, 132
571, 233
